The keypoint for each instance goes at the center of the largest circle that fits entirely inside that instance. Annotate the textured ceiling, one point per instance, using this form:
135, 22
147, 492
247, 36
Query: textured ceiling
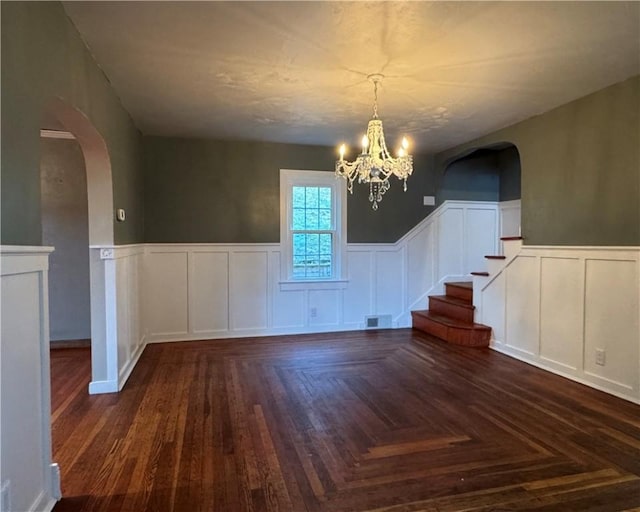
296, 71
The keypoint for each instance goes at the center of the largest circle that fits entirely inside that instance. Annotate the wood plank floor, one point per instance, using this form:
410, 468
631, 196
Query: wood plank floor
384, 421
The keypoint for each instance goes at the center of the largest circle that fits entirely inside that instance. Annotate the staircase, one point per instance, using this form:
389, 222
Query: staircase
450, 317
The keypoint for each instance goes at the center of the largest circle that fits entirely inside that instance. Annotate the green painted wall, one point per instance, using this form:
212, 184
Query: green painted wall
508, 161
229, 191
473, 178
580, 169
44, 57
398, 212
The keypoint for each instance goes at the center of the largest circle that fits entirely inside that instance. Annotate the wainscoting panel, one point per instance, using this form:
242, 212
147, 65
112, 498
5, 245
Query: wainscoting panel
480, 237
289, 308
208, 291
611, 315
358, 297
563, 306
492, 309
420, 264
166, 292
523, 305
248, 290
389, 279
561, 311
451, 241
324, 308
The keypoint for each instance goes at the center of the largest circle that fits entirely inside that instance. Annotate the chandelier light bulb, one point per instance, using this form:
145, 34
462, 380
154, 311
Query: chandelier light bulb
405, 143
365, 143
343, 149
401, 152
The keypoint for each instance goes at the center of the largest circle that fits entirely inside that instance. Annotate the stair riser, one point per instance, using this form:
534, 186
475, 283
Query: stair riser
466, 337
451, 310
459, 292
430, 327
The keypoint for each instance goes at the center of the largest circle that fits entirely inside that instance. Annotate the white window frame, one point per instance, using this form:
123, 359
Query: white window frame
288, 179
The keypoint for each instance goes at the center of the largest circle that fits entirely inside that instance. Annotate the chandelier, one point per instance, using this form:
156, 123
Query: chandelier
375, 165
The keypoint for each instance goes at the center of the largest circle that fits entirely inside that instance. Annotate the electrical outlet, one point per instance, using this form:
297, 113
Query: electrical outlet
601, 357
313, 312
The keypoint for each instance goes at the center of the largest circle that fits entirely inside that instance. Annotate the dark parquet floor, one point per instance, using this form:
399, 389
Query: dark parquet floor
376, 421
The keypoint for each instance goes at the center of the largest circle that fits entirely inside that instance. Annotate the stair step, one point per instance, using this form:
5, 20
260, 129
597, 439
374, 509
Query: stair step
507, 238
461, 290
496, 257
451, 330
483, 274
454, 307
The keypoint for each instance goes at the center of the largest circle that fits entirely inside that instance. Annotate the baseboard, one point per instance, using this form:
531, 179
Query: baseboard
533, 362
97, 387
253, 333
131, 364
55, 345
43, 503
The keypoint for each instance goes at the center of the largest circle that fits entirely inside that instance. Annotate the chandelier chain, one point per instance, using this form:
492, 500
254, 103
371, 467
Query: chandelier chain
375, 99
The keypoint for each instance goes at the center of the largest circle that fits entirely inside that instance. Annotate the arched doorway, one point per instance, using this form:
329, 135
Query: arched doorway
100, 226
489, 173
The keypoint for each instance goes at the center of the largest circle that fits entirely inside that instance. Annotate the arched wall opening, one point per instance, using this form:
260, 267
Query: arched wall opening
489, 173
100, 226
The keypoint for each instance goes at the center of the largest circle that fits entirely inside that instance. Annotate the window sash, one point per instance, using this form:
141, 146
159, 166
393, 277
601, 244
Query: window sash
323, 180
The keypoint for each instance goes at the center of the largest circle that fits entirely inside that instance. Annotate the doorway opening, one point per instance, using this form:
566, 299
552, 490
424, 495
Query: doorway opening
77, 219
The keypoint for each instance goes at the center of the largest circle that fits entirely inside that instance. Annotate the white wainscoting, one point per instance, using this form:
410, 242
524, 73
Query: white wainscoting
555, 306
25, 462
200, 291
118, 335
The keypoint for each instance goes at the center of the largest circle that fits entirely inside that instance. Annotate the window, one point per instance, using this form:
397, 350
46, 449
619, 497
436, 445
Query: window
312, 225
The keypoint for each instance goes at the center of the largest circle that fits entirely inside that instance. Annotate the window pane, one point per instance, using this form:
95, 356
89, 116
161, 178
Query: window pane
298, 197
298, 219
325, 265
313, 244
324, 221
325, 243
311, 219
324, 200
299, 245
311, 197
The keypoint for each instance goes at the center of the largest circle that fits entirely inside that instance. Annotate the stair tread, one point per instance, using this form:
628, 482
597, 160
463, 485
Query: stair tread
450, 322
461, 284
495, 257
453, 300
479, 273
507, 238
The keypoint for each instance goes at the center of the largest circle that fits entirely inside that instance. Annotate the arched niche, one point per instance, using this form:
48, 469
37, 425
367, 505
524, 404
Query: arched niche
489, 173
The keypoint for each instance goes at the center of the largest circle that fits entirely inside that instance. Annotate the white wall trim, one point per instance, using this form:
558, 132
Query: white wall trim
97, 387
25, 429
125, 371
197, 291
555, 306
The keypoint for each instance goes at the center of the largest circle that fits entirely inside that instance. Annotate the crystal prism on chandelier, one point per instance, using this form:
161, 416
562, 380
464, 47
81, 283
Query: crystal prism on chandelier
375, 165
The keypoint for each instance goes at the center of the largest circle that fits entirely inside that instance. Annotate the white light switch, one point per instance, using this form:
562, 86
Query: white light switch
429, 200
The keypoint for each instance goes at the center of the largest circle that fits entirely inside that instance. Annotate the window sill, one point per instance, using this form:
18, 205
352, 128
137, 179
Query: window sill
308, 284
